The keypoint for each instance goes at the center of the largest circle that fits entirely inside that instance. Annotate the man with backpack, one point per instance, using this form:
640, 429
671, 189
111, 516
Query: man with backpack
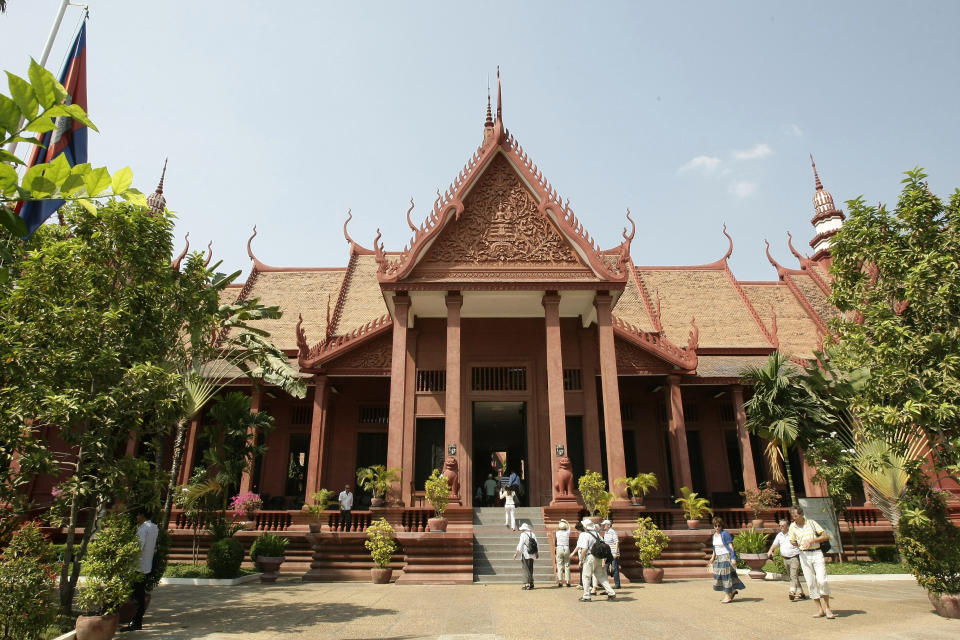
592, 567
528, 549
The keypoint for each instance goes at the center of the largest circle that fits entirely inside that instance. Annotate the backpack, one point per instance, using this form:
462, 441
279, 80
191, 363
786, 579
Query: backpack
532, 547
600, 549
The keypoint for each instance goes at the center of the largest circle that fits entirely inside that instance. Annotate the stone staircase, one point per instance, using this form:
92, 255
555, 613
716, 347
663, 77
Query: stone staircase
494, 545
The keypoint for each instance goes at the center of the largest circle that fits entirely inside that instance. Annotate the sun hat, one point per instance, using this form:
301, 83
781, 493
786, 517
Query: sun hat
563, 524
606, 522
586, 522
524, 527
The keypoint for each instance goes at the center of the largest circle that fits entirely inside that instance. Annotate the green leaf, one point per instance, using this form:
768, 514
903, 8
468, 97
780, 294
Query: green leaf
72, 184
81, 169
6, 156
97, 181
136, 197
14, 223
58, 169
76, 112
43, 84
9, 114
89, 206
40, 124
22, 93
122, 180
33, 173
8, 177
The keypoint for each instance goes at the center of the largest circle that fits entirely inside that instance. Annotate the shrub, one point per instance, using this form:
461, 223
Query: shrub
380, 542
246, 503
883, 553
751, 541
111, 567
763, 498
27, 604
219, 528
780, 563
640, 484
268, 545
225, 557
929, 542
694, 507
321, 501
377, 479
650, 541
593, 490
437, 489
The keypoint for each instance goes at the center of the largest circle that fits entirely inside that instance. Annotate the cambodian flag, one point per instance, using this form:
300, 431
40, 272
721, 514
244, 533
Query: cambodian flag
70, 136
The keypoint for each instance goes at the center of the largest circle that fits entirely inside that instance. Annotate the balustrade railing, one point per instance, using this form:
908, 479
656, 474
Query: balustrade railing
358, 521
863, 516
272, 520
415, 520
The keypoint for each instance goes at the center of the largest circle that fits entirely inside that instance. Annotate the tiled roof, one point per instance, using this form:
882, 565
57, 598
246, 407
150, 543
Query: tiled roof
709, 295
363, 300
297, 292
726, 366
814, 295
221, 369
795, 329
631, 308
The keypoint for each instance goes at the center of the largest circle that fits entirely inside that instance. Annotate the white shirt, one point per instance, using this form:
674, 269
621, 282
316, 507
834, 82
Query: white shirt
147, 533
346, 500
719, 549
522, 544
563, 538
787, 550
612, 539
507, 497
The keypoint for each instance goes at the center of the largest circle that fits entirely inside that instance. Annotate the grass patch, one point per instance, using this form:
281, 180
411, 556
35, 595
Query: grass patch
855, 568
183, 570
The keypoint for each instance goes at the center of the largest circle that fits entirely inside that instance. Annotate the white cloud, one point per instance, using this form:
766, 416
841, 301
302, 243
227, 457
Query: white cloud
706, 164
742, 188
755, 152
793, 130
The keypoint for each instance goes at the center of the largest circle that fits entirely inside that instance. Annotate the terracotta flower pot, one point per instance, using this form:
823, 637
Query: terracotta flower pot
757, 524
693, 524
381, 575
97, 627
269, 566
653, 575
249, 525
129, 608
376, 503
437, 524
755, 561
945, 604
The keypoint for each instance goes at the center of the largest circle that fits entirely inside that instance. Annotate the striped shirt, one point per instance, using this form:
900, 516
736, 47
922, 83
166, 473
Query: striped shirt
803, 535
611, 538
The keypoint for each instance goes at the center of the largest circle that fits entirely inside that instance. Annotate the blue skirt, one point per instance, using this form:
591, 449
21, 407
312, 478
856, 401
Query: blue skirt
725, 577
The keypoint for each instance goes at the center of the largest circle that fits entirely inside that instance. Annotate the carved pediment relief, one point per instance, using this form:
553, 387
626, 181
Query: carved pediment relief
501, 225
632, 359
376, 355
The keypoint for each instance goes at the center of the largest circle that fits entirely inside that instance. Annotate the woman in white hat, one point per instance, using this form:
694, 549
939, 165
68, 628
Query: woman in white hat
563, 553
527, 548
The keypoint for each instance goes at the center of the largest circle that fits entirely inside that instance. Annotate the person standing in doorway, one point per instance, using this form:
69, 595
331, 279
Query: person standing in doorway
514, 483
806, 535
612, 539
489, 490
563, 553
346, 506
147, 533
791, 558
509, 507
527, 548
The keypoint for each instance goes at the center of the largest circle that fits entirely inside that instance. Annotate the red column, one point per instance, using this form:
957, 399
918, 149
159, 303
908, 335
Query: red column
317, 436
398, 379
557, 414
613, 427
256, 397
186, 467
812, 488
678, 435
451, 431
591, 419
746, 450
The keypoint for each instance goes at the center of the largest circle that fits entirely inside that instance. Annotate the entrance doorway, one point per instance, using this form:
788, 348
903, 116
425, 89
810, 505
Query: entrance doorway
500, 441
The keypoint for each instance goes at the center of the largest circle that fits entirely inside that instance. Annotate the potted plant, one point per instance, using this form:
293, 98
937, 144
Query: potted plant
751, 546
246, 505
267, 551
111, 566
650, 543
320, 501
593, 490
381, 545
694, 507
437, 489
639, 486
763, 498
930, 545
378, 480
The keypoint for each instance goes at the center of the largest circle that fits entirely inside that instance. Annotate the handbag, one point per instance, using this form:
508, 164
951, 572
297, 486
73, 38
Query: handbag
825, 545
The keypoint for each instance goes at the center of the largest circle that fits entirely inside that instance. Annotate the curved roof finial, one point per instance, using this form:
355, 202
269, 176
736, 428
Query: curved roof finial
209, 253
730, 250
499, 98
409, 221
693, 340
795, 253
816, 176
776, 265
775, 332
345, 222
249, 244
633, 228
175, 264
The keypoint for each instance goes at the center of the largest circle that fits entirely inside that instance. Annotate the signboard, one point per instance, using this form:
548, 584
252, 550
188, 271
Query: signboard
559, 450
821, 510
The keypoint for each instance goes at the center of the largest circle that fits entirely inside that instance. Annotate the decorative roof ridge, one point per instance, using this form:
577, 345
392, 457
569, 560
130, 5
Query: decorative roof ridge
659, 345
783, 272
623, 249
342, 294
807, 265
743, 297
775, 331
257, 265
648, 303
355, 247
175, 263
209, 254
333, 346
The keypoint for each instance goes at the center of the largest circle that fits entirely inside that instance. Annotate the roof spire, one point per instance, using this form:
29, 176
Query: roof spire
489, 121
815, 175
156, 202
499, 99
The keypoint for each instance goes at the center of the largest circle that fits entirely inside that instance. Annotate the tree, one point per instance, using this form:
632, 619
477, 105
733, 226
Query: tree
779, 411
897, 283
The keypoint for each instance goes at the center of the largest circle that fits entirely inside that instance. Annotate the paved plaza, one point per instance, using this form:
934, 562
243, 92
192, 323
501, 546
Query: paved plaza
677, 609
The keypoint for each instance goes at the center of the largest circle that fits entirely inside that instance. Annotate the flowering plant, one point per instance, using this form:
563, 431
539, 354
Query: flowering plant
763, 498
247, 503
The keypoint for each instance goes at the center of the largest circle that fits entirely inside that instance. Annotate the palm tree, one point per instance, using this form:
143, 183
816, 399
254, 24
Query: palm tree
779, 411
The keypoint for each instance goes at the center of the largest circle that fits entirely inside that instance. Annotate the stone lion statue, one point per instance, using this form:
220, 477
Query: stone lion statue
564, 484
451, 471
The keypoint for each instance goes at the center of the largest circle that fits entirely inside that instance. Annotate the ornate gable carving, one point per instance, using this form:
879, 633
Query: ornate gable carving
501, 223
634, 360
373, 356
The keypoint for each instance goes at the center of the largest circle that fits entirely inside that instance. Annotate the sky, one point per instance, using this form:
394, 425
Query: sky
693, 115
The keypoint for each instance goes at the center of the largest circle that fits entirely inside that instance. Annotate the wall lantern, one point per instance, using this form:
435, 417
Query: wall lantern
560, 449
451, 449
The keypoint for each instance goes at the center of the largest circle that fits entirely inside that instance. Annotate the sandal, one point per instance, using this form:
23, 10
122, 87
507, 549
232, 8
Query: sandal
831, 616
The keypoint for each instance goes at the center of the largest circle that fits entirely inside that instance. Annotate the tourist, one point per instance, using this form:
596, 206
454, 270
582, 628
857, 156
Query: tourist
807, 535
724, 561
527, 553
612, 539
592, 566
509, 507
346, 506
478, 496
490, 490
563, 553
514, 483
582, 548
147, 533
791, 558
